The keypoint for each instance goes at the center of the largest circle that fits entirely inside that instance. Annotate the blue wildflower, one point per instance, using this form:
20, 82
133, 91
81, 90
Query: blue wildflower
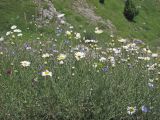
26, 45
105, 69
145, 109
66, 42
151, 85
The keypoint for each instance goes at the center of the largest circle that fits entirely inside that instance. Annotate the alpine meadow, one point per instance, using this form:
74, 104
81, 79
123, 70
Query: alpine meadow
79, 60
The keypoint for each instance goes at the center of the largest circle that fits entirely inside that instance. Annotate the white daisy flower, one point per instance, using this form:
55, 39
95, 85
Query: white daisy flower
8, 33
90, 41
79, 55
1, 39
122, 40
46, 55
17, 30
61, 62
98, 31
60, 15
61, 57
78, 36
19, 35
47, 73
68, 33
13, 27
102, 59
25, 63
154, 55
131, 110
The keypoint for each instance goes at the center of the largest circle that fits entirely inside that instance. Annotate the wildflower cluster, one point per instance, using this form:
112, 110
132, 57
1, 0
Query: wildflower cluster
74, 77
14, 31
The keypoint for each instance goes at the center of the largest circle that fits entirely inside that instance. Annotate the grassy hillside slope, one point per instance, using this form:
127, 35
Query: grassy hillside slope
71, 68
146, 27
17, 12
146, 24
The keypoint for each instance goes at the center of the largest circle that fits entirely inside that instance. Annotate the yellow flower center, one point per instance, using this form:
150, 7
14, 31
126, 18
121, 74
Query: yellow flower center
46, 73
131, 109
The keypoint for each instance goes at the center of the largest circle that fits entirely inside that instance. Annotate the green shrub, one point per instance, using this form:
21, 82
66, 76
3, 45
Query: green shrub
101, 1
130, 11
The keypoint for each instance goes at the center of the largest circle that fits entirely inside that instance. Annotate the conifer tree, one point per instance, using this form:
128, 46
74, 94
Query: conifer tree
130, 11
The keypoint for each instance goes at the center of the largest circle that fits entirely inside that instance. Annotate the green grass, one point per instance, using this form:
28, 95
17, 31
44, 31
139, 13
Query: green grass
149, 14
18, 12
22, 14
146, 26
77, 90
80, 23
